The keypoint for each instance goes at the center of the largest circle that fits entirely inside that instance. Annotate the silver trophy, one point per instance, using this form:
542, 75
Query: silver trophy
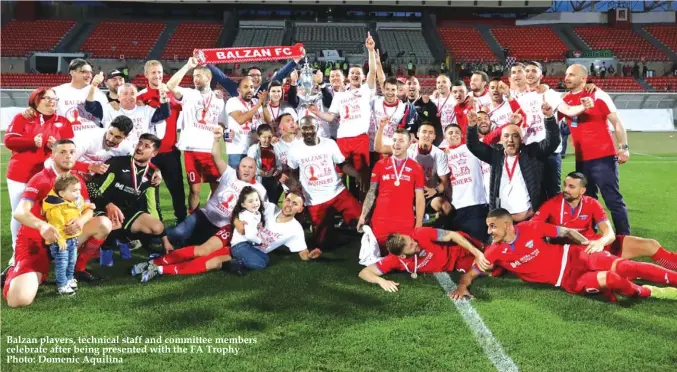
308, 93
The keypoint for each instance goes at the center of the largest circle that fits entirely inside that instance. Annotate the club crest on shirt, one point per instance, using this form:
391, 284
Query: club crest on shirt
422, 253
530, 244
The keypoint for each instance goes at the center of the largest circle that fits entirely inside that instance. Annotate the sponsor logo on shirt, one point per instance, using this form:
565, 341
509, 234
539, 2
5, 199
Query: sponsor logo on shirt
525, 258
584, 216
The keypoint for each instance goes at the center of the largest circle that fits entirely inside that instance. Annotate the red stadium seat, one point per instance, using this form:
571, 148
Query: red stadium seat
624, 43
189, 36
19, 38
663, 83
24, 80
466, 44
666, 34
134, 40
531, 43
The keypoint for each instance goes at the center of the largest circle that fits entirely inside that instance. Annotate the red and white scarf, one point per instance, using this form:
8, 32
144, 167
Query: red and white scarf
248, 54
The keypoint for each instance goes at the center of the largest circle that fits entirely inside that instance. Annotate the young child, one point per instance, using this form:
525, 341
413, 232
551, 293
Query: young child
268, 164
245, 248
63, 204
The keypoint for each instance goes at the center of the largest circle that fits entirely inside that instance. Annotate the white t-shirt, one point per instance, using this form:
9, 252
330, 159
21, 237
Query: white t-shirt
513, 194
141, 117
90, 149
531, 105
197, 133
72, 106
354, 111
466, 178
500, 115
276, 234
379, 110
445, 110
251, 221
276, 112
486, 180
483, 100
219, 207
317, 170
244, 134
434, 164
283, 147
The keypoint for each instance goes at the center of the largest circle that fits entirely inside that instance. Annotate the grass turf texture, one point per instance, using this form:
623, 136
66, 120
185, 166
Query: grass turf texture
320, 316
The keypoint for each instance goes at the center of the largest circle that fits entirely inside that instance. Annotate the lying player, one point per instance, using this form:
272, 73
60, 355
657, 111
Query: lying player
423, 253
575, 210
582, 269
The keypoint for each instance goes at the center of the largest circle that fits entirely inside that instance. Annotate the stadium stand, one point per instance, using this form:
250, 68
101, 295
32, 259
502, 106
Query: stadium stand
20, 38
320, 36
624, 43
528, 43
466, 44
189, 36
140, 80
663, 83
26, 80
134, 40
666, 34
259, 36
396, 41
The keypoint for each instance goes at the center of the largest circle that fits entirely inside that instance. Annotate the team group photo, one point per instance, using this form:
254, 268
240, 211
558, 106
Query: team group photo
338, 186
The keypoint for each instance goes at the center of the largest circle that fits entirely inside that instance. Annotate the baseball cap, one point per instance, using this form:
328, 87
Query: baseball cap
114, 73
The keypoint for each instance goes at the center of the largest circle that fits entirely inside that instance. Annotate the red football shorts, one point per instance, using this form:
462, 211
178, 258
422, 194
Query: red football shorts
383, 228
30, 256
356, 149
225, 235
344, 203
583, 268
200, 167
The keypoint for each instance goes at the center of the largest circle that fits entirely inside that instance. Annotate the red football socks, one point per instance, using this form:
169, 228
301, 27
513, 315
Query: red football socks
665, 258
195, 266
616, 283
633, 269
176, 256
88, 251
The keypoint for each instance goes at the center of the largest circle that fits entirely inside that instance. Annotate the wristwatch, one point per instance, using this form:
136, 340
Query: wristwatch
623, 147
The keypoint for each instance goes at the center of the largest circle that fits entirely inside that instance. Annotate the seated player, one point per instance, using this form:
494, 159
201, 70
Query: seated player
575, 210
396, 186
125, 194
281, 229
32, 259
427, 250
578, 269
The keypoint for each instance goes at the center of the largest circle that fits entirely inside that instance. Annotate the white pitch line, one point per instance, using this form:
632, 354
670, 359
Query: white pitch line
492, 348
651, 156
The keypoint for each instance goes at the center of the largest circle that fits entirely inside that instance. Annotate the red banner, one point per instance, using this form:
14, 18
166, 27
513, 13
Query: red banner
248, 54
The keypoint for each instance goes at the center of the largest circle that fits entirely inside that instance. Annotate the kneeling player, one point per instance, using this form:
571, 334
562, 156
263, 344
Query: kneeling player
581, 269
126, 196
423, 253
575, 210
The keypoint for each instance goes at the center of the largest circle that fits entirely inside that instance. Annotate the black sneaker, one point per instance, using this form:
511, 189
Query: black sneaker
235, 267
86, 276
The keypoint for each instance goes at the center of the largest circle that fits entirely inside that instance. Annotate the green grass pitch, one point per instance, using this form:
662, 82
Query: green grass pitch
320, 317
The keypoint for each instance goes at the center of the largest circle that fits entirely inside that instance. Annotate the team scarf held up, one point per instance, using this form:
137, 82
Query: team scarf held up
248, 54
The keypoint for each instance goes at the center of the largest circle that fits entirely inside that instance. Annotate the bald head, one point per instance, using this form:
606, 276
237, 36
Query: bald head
511, 139
307, 121
247, 169
576, 77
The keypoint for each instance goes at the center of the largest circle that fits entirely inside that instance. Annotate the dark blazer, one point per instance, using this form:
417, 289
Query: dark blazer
532, 160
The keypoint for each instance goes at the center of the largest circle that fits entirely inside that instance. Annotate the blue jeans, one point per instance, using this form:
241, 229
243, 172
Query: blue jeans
252, 257
552, 176
234, 160
64, 260
602, 176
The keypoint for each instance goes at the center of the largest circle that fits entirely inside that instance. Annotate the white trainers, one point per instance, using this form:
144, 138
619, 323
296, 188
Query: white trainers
73, 283
65, 290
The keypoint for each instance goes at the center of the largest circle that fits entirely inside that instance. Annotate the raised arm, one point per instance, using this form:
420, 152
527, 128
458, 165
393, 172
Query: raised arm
91, 104
378, 139
226, 82
478, 148
173, 83
371, 75
547, 146
326, 116
221, 164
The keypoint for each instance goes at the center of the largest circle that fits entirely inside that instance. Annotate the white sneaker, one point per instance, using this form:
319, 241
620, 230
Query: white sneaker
65, 290
73, 283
